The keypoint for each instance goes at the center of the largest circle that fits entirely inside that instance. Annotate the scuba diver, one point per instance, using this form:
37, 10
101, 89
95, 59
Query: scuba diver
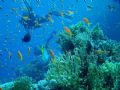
32, 21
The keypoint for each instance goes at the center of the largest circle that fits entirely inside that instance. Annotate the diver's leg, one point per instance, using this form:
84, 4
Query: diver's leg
27, 5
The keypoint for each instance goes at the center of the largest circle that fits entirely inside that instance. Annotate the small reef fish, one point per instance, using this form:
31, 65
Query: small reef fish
20, 55
78, 59
52, 55
9, 55
29, 49
61, 14
86, 21
26, 18
49, 18
26, 38
14, 9
42, 50
100, 52
70, 12
68, 31
44, 54
89, 7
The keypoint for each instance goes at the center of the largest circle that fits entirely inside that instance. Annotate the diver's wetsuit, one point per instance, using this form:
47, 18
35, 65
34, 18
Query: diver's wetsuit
31, 22
34, 21
56, 13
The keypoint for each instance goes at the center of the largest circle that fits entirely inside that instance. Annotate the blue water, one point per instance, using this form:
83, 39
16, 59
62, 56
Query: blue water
11, 31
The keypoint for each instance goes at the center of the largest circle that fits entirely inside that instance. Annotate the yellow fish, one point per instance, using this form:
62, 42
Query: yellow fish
86, 20
52, 56
61, 14
70, 12
26, 18
100, 52
50, 19
42, 50
68, 31
20, 55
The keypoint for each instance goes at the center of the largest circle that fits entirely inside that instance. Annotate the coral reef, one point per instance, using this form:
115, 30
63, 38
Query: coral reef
21, 83
90, 61
7, 86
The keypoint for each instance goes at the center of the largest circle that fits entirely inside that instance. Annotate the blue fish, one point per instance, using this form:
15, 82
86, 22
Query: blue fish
26, 38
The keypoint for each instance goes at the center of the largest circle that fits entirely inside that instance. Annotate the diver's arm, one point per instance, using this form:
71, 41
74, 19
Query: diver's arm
27, 5
61, 14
